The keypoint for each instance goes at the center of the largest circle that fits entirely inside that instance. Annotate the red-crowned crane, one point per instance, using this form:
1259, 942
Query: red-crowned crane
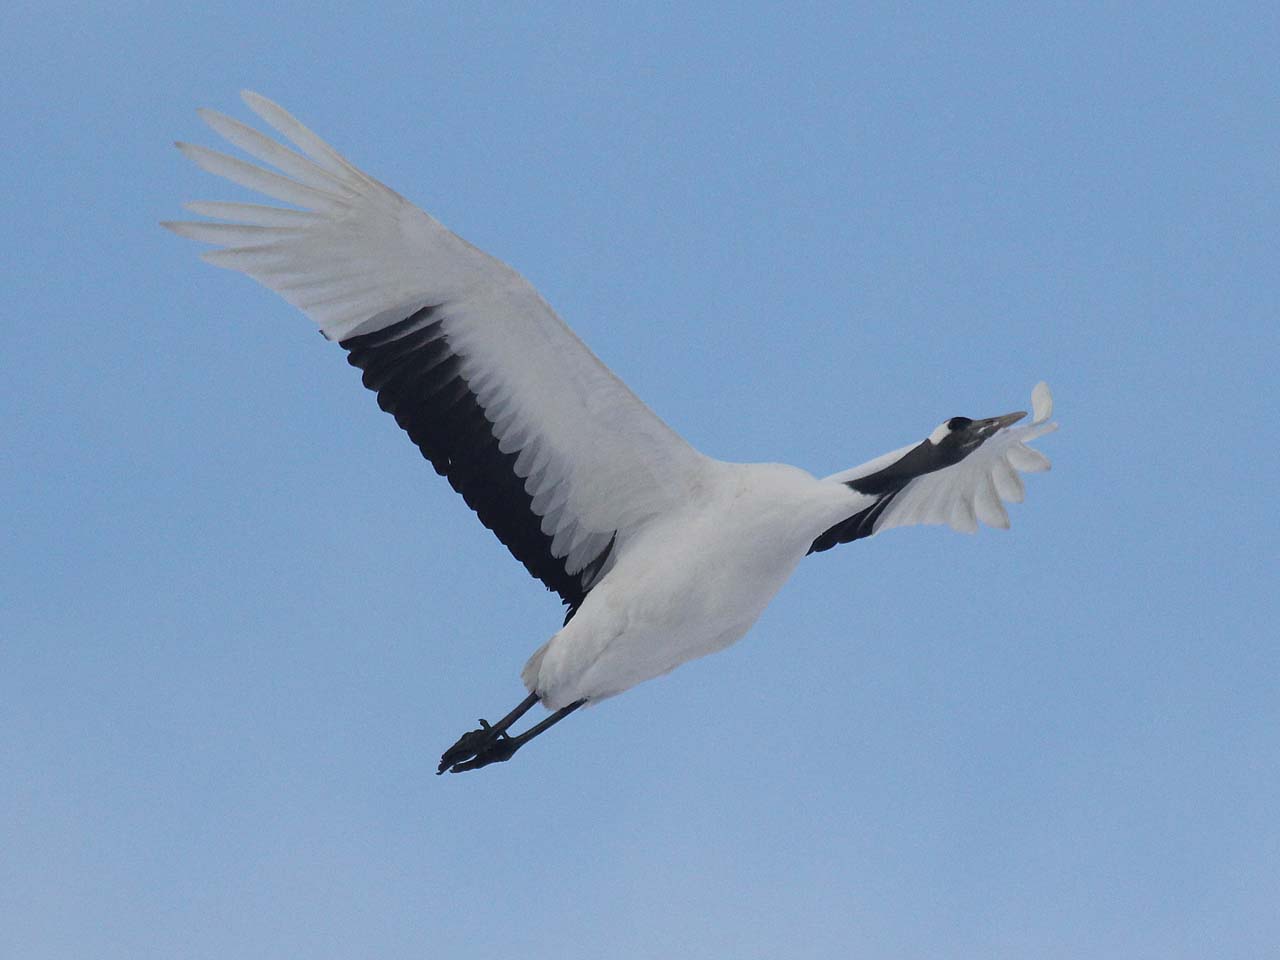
660, 553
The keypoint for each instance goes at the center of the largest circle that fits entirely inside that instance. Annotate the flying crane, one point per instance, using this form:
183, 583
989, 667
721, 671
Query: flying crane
660, 553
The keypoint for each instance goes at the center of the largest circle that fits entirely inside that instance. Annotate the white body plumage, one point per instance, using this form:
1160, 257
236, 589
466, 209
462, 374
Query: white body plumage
692, 583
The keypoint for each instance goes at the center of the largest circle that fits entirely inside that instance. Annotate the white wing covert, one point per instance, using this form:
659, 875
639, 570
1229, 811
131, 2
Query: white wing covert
972, 490
553, 452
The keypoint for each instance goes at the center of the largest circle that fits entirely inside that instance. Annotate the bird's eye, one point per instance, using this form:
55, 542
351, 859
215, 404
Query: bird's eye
958, 423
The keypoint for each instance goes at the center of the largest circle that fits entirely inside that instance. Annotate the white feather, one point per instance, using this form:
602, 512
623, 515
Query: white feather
1041, 403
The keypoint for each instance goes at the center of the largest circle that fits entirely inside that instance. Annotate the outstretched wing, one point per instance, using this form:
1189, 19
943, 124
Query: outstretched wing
961, 495
551, 450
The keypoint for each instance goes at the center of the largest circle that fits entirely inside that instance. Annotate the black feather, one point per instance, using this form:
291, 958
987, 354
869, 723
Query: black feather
417, 377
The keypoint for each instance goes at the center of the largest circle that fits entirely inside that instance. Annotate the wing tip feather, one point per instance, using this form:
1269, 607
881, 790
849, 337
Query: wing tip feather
261, 105
1041, 402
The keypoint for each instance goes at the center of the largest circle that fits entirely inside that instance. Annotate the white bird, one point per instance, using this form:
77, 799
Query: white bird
662, 554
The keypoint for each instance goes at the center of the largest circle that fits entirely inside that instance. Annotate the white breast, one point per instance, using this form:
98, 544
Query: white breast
691, 585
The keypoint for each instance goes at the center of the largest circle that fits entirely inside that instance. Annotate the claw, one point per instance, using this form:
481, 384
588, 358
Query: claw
468, 745
501, 748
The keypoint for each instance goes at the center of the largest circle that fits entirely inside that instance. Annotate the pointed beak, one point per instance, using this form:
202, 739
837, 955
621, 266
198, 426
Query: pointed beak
987, 428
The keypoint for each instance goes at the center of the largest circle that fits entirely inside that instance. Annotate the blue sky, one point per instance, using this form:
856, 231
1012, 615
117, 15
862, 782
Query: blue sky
240, 617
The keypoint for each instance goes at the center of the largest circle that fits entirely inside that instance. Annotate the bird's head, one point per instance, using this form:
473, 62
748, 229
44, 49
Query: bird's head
956, 438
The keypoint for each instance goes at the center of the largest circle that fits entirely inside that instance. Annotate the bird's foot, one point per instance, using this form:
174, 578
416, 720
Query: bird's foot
503, 747
468, 745
478, 748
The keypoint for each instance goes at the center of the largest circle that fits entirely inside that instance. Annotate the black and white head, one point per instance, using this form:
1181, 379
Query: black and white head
954, 439
951, 441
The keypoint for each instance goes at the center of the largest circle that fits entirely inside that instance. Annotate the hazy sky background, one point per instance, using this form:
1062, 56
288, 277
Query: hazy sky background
240, 617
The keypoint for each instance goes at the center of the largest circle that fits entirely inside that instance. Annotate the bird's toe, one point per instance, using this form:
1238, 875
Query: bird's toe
497, 750
468, 745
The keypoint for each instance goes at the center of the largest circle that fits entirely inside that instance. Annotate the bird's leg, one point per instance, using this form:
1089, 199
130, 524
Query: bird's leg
472, 742
500, 746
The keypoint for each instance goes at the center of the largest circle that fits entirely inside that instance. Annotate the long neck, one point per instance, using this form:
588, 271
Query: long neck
880, 487
924, 457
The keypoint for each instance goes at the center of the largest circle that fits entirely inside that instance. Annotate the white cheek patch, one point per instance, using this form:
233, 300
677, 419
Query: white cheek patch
940, 433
